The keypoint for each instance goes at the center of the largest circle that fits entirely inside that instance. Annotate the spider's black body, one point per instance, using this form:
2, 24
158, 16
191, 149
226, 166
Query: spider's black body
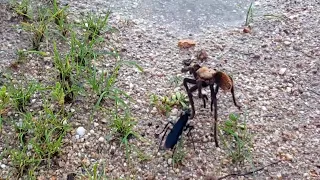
176, 131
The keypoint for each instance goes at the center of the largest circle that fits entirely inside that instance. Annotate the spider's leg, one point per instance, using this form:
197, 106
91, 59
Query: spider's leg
214, 102
204, 99
190, 134
200, 95
164, 129
233, 97
200, 84
189, 92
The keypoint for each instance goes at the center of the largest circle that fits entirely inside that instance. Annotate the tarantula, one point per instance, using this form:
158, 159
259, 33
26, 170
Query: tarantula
205, 77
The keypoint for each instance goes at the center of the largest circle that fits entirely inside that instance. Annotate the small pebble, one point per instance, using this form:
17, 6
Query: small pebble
80, 131
282, 71
104, 120
77, 136
101, 139
288, 157
287, 43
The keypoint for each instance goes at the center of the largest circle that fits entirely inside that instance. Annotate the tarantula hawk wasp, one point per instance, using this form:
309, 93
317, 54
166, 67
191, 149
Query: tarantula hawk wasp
176, 132
205, 77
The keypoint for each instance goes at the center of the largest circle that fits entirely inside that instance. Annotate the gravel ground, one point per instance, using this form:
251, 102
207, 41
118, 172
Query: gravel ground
276, 73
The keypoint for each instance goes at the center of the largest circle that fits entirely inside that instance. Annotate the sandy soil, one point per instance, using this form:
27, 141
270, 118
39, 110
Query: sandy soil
277, 81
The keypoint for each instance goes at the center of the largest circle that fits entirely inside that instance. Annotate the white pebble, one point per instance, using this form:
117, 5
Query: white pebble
77, 136
101, 139
131, 85
81, 131
3, 166
95, 124
104, 120
264, 108
282, 71
287, 43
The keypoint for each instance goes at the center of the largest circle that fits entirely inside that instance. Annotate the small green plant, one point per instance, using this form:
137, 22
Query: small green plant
21, 96
236, 139
249, 17
166, 103
82, 51
23, 162
58, 94
20, 157
179, 154
63, 65
4, 103
175, 80
21, 56
60, 18
22, 8
94, 173
38, 29
108, 90
96, 81
40, 139
122, 126
4, 99
49, 129
94, 25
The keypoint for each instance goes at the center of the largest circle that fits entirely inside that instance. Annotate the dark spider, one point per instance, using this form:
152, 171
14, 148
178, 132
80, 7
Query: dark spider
205, 77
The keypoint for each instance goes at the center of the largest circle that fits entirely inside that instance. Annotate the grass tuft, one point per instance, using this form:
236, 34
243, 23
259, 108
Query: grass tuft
236, 139
94, 24
22, 8
21, 96
40, 136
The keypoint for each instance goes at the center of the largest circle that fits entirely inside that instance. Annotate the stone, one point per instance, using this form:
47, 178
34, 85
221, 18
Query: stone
101, 139
282, 71
81, 131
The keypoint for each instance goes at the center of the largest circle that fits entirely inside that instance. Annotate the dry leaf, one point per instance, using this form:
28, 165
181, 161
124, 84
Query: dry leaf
186, 43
